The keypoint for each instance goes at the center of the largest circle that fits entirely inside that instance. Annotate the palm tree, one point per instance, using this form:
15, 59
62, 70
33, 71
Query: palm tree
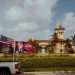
68, 46
55, 36
73, 39
35, 44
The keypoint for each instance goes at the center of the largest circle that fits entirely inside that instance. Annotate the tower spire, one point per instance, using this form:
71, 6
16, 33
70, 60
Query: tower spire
58, 25
59, 30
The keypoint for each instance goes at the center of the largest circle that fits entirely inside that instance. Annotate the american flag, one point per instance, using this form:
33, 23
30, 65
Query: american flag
20, 46
7, 40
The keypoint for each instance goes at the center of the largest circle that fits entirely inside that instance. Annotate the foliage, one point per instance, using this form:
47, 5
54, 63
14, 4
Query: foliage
73, 39
45, 63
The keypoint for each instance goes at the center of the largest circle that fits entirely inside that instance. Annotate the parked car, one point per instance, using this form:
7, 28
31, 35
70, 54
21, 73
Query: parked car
10, 68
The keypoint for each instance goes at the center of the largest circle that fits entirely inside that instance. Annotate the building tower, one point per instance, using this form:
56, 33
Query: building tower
59, 30
59, 43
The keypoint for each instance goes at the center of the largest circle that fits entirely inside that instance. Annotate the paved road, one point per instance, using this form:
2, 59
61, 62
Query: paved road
49, 73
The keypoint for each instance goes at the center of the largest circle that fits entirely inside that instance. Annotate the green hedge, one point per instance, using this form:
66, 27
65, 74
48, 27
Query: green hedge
44, 63
48, 62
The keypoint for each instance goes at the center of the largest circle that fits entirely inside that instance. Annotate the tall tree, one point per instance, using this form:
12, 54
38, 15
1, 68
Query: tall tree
68, 46
73, 39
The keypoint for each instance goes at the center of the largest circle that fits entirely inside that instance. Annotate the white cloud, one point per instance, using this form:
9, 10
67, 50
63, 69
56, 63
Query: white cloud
42, 35
1, 28
69, 23
14, 13
39, 9
26, 26
27, 17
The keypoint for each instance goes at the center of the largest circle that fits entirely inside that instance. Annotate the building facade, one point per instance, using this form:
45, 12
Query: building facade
57, 44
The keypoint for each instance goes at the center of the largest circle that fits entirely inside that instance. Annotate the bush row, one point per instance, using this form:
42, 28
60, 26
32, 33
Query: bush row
40, 63
48, 62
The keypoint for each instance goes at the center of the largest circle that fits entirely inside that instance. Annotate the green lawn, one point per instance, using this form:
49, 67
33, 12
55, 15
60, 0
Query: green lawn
53, 63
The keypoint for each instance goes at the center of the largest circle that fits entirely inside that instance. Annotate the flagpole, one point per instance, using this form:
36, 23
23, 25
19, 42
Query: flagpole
19, 46
14, 51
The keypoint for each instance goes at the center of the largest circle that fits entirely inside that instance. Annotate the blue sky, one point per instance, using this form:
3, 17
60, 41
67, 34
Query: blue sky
24, 19
64, 6
65, 11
